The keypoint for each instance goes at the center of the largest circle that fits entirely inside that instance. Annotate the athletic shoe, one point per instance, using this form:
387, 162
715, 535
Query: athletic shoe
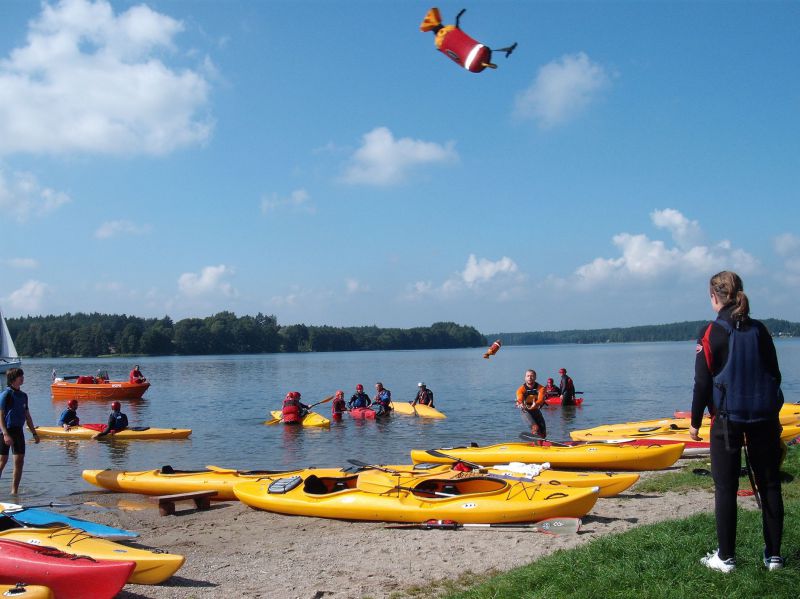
713, 561
772, 563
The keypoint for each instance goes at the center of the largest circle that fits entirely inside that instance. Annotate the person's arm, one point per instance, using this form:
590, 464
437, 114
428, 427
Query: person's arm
521, 397
31, 428
3, 408
107, 429
416, 399
703, 380
540, 397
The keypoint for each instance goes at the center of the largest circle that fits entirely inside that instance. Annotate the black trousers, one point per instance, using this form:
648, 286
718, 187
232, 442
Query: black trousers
763, 444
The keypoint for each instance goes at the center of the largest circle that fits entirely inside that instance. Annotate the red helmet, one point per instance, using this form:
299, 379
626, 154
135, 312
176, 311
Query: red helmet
72, 404
562, 371
115, 405
359, 387
549, 381
340, 393
295, 394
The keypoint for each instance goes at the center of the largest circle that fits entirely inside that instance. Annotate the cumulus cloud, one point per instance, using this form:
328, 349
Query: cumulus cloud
384, 160
22, 196
562, 89
642, 258
298, 200
354, 286
28, 299
212, 280
786, 244
89, 80
114, 228
21, 263
478, 274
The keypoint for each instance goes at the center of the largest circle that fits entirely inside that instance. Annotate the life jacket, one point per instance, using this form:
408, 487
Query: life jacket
290, 412
744, 391
338, 406
384, 398
551, 391
360, 400
530, 404
120, 421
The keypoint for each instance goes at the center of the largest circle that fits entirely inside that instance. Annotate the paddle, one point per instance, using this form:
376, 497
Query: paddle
530, 437
750, 473
277, 420
439, 454
361, 464
551, 526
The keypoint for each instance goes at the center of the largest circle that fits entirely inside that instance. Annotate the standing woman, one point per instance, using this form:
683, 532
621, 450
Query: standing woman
737, 378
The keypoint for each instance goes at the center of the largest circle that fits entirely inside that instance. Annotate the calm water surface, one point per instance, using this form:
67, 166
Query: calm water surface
225, 400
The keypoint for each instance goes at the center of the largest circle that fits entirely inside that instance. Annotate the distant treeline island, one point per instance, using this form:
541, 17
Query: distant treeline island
90, 335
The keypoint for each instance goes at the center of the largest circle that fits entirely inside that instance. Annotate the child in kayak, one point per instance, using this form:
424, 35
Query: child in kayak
359, 398
293, 410
117, 421
69, 417
550, 390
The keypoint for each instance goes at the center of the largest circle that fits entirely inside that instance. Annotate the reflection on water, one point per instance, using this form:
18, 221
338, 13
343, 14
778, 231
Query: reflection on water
225, 400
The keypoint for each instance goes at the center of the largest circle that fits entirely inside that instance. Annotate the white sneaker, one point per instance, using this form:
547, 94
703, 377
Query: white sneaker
772, 563
713, 561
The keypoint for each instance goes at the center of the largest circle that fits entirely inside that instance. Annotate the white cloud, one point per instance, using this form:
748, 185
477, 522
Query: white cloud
88, 80
21, 263
786, 244
686, 233
210, 281
299, 200
355, 286
645, 259
480, 271
22, 196
562, 89
28, 298
478, 274
384, 160
120, 227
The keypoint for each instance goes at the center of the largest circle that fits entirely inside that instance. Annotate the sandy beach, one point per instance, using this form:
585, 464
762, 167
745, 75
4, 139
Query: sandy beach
234, 551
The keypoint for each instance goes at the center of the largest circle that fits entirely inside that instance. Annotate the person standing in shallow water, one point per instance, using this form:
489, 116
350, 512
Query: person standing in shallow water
14, 414
530, 397
738, 379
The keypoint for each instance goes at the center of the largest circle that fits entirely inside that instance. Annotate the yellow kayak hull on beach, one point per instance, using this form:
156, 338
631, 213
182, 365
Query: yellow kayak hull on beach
418, 410
25, 591
78, 432
374, 495
591, 457
311, 419
152, 567
660, 433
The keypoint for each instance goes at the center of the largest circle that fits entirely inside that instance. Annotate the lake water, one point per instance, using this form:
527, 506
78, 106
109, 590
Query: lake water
225, 400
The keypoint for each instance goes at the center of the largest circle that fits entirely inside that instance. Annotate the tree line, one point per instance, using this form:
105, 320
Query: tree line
677, 331
89, 335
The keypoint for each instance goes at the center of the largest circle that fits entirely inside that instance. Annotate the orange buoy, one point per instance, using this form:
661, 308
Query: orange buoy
493, 349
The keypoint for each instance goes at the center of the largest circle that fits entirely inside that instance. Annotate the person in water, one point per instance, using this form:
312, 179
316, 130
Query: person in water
550, 390
117, 421
69, 417
736, 376
293, 410
359, 399
382, 401
14, 413
530, 397
567, 388
339, 406
136, 377
424, 396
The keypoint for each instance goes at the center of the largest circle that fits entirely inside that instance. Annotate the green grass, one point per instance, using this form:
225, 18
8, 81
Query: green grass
655, 561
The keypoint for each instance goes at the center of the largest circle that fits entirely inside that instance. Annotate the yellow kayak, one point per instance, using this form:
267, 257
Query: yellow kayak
310, 419
25, 591
418, 410
129, 434
660, 433
592, 457
385, 497
152, 567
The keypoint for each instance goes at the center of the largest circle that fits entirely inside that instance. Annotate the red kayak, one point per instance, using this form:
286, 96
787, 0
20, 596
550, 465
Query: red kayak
362, 414
556, 401
69, 576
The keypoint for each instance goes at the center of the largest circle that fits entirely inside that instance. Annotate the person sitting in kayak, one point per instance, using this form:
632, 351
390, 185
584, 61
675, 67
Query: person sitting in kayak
424, 396
136, 377
117, 421
293, 410
550, 390
567, 389
69, 417
359, 398
530, 397
381, 403
339, 406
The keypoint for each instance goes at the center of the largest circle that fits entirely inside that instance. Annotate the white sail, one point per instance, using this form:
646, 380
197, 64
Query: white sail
8, 353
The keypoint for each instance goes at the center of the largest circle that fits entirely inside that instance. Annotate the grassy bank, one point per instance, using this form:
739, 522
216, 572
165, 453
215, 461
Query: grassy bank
656, 561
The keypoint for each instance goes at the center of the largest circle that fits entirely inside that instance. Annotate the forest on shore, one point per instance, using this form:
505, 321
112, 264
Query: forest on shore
90, 335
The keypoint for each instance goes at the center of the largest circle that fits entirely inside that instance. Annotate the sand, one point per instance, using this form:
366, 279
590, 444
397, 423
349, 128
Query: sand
234, 551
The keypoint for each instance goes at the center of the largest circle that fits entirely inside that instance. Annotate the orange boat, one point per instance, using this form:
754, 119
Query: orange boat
87, 387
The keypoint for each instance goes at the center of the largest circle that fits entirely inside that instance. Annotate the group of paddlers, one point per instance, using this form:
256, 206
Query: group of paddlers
294, 410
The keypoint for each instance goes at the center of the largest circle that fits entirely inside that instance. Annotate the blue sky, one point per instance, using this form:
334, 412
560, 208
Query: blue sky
323, 162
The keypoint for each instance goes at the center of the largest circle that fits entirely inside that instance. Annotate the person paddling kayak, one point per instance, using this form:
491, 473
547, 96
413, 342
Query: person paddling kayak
293, 410
530, 397
69, 417
117, 421
550, 390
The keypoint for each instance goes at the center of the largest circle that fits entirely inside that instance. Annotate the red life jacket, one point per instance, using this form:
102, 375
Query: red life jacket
291, 411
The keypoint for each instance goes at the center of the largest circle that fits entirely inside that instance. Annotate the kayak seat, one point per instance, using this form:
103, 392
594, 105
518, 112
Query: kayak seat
450, 489
313, 485
167, 469
339, 485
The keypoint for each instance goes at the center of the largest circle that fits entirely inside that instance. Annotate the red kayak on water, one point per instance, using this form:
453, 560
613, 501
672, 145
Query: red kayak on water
362, 413
69, 576
556, 401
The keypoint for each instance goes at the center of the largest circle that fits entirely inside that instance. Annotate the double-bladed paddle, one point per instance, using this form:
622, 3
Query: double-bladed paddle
439, 454
551, 526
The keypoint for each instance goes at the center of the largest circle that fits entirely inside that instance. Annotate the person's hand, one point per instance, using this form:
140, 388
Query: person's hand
694, 434
35, 437
95, 436
7, 439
